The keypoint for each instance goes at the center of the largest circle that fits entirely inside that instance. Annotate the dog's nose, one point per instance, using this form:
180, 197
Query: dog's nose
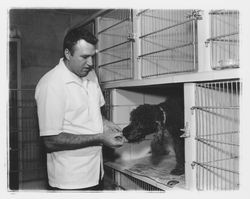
125, 131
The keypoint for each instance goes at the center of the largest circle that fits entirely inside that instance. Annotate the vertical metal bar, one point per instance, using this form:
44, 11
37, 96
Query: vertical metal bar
223, 129
231, 140
198, 130
202, 146
227, 97
212, 32
212, 126
209, 131
204, 134
217, 127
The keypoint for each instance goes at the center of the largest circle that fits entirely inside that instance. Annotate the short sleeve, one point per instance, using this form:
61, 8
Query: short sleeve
50, 100
102, 101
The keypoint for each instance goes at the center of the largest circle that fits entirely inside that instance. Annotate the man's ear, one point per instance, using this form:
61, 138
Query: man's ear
67, 53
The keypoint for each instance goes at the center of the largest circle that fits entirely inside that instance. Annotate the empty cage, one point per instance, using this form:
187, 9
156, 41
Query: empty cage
224, 31
115, 45
217, 135
168, 41
30, 164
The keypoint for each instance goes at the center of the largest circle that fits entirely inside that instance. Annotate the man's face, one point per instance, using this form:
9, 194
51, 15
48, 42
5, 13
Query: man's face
80, 62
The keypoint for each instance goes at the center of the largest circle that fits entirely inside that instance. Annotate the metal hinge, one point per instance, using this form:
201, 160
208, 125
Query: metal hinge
195, 14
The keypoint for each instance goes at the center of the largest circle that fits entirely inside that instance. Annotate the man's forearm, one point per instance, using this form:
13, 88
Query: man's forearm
68, 141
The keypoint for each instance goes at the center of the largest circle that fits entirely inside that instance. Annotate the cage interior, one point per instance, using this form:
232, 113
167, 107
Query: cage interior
137, 158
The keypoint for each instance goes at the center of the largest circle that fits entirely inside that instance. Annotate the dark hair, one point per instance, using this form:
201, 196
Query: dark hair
76, 34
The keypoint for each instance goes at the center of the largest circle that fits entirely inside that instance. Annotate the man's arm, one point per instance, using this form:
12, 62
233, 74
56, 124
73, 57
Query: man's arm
68, 141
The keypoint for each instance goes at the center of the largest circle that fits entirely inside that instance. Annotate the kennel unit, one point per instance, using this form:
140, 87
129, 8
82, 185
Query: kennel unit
123, 181
115, 47
133, 169
167, 41
224, 39
212, 135
27, 164
184, 47
217, 135
24, 131
166, 46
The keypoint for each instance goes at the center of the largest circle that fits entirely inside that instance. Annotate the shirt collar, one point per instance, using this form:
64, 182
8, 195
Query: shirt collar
68, 76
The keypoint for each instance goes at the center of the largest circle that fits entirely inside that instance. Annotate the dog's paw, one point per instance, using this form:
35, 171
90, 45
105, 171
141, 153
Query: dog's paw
178, 171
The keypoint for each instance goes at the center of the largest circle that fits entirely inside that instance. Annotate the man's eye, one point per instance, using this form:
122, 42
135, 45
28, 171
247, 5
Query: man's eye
85, 57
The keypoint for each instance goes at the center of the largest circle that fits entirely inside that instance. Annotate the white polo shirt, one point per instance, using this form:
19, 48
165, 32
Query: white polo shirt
67, 103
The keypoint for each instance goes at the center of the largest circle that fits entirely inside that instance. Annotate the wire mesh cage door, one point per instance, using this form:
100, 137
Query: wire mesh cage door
31, 163
115, 47
14, 113
224, 31
106, 109
217, 135
168, 41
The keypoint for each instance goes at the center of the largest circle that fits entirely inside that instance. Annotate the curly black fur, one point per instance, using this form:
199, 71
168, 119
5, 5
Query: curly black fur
147, 119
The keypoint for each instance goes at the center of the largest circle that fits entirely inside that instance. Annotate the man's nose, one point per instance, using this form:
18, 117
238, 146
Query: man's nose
90, 62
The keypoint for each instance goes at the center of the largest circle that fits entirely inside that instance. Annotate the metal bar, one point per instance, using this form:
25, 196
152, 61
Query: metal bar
22, 170
170, 72
19, 107
166, 49
206, 165
21, 89
114, 46
169, 27
221, 36
227, 40
222, 12
217, 148
126, 19
139, 13
219, 160
114, 72
214, 107
223, 133
209, 140
114, 62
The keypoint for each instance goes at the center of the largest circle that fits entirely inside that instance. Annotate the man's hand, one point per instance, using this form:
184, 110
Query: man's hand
112, 134
109, 126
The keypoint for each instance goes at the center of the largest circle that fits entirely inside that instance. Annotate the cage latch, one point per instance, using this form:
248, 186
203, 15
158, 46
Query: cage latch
207, 42
193, 164
131, 37
186, 133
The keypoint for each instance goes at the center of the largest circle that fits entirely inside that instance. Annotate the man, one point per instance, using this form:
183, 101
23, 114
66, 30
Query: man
68, 101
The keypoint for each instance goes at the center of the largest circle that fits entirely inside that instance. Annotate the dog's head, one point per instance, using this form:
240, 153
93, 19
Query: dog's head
144, 120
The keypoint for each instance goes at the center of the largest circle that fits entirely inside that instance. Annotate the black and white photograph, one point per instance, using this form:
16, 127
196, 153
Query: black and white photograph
132, 99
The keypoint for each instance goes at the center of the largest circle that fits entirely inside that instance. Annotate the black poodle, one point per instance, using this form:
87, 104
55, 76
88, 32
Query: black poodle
164, 120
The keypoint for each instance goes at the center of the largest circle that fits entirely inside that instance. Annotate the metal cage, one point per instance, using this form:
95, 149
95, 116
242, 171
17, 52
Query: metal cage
168, 40
224, 30
27, 159
115, 49
106, 109
123, 181
217, 135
